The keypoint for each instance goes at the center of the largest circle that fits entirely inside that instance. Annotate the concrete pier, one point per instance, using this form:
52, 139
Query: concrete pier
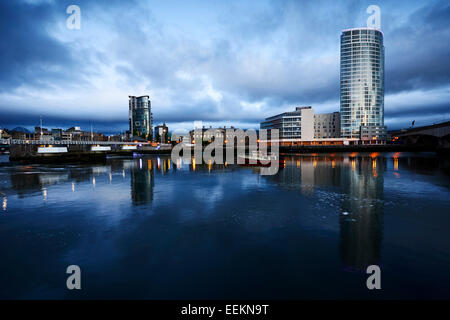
75, 153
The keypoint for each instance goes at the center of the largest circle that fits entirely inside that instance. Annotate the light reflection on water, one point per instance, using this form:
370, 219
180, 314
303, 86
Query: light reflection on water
149, 228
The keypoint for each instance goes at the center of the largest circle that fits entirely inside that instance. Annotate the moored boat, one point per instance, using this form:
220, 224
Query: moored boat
258, 159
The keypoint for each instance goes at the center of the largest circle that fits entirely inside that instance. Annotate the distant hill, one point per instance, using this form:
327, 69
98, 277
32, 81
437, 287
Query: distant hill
21, 129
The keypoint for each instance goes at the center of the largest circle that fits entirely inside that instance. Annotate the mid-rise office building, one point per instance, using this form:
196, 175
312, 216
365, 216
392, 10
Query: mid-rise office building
140, 116
298, 124
327, 125
362, 82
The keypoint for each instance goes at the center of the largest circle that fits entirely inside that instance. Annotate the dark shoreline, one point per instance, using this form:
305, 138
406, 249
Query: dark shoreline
101, 157
361, 148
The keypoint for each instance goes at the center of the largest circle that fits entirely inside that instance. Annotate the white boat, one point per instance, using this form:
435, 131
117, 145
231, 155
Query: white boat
52, 150
100, 148
257, 158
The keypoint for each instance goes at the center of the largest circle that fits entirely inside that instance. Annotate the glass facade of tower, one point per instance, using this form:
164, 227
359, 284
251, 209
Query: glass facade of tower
362, 82
140, 116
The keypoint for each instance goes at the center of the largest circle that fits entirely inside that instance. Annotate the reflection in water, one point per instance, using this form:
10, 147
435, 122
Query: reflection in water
360, 182
317, 213
361, 228
25, 183
44, 194
308, 171
142, 183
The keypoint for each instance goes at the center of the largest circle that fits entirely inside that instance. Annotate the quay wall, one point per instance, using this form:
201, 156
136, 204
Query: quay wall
356, 148
76, 153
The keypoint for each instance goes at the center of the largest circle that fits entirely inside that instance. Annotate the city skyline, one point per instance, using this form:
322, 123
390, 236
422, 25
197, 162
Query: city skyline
254, 60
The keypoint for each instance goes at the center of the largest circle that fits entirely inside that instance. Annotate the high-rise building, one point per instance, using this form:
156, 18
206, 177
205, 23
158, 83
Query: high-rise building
362, 83
140, 116
298, 124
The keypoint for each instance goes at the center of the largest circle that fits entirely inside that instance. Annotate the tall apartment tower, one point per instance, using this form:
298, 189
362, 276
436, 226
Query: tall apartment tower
362, 84
140, 116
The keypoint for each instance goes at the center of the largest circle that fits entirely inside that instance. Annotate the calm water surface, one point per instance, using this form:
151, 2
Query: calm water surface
146, 228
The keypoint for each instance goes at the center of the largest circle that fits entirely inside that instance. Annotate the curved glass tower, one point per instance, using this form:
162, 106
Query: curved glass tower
362, 84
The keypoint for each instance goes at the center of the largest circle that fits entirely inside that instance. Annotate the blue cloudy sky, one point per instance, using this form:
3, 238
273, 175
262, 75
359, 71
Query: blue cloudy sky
223, 62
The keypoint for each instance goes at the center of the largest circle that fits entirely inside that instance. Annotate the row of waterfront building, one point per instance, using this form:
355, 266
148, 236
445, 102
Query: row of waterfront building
77, 134
56, 134
360, 120
140, 122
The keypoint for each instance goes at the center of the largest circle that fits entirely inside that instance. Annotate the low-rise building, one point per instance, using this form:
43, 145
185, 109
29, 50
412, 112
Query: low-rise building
116, 138
66, 136
373, 133
43, 134
229, 135
207, 134
298, 124
21, 133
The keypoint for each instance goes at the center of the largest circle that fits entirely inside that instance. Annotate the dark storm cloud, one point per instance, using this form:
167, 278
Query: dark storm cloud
421, 110
27, 53
417, 54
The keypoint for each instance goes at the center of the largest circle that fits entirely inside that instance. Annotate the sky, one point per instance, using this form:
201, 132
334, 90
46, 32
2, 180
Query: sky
221, 62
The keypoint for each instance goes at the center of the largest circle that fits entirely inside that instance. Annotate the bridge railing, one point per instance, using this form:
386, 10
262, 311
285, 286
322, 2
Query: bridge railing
68, 142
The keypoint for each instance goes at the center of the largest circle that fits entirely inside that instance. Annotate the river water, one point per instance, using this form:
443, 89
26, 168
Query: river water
145, 228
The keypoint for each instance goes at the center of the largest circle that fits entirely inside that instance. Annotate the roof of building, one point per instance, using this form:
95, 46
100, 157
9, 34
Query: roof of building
297, 111
363, 28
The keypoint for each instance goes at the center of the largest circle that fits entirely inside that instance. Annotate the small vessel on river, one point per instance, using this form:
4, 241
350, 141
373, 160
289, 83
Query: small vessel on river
258, 159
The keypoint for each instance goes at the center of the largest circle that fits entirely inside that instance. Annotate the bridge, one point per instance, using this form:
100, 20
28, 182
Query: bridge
67, 142
438, 130
435, 136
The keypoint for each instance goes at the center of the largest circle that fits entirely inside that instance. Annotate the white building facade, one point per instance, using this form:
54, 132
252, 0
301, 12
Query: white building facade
298, 124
